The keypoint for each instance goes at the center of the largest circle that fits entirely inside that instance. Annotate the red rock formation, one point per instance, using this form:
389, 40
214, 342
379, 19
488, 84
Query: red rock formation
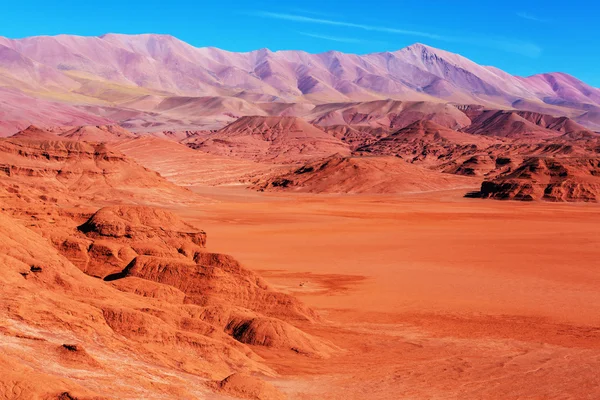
338, 174
248, 387
47, 171
278, 139
101, 133
426, 141
521, 125
551, 179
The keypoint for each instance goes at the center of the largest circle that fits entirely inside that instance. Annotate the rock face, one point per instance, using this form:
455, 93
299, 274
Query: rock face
338, 174
391, 115
170, 308
248, 387
43, 166
162, 249
551, 179
63, 171
35, 133
278, 139
114, 236
123, 286
427, 142
100, 133
356, 136
85, 133
521, 125
141, 224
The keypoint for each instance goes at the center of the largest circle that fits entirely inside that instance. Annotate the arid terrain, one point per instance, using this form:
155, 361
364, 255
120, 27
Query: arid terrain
429, 295
246, 228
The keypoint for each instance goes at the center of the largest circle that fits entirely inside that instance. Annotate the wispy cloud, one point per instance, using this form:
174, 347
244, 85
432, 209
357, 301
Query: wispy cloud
310, 12
504, 44
531, 17
324, 21
336, 38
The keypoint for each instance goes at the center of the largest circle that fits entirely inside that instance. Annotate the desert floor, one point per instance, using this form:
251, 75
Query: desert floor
428, 295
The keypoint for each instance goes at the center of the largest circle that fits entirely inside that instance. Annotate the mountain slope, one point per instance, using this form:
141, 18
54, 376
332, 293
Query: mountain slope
19, 110
521, 124
279, 139
426, 141
118, 69
375, 175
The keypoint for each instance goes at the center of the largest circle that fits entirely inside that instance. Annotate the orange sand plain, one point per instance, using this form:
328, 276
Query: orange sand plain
430, 295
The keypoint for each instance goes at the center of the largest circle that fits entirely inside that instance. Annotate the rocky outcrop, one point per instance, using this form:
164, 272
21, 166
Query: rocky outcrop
151, 252
550, 179
248, 387
141, 223
173, 307
338, 174
99, 133
522, 125
427, 142
114, 236
69, 171
275, 139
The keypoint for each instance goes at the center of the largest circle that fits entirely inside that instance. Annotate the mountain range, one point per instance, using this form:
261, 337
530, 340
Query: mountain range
157, 82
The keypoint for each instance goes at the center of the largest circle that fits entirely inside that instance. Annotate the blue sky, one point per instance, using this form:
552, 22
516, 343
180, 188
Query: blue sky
521, 37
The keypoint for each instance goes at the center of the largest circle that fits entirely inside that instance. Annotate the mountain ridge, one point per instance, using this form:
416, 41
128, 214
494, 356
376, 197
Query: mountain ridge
117, 70
267, 50
4, 39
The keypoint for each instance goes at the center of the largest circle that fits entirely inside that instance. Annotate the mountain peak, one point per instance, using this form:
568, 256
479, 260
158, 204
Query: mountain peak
420, 47
426, 54
157, 63
262, 52
138, 36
